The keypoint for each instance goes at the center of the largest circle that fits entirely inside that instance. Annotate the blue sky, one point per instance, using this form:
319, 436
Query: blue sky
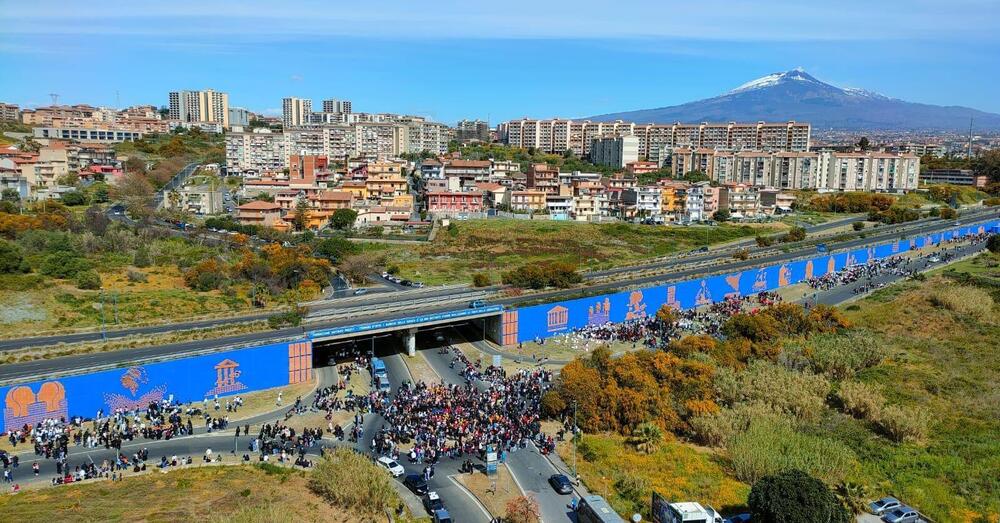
464, 59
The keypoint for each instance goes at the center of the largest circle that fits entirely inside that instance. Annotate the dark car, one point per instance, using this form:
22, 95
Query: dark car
415, 483
432, 502
561, 484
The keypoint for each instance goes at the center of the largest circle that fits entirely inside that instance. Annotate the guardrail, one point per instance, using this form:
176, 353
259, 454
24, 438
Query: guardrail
404, 322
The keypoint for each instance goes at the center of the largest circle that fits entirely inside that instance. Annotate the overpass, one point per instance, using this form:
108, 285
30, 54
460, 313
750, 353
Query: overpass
408, 326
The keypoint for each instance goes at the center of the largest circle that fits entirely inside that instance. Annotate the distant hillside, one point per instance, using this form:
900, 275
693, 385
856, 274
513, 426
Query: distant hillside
795, 95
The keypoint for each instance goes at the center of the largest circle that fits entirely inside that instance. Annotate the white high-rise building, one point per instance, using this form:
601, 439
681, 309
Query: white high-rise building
614, 151
199, 106
295, 111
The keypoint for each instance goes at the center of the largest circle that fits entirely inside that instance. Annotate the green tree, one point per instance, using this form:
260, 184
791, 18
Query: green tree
63, 264
988, 164
88, 280
335, 248
794, 497
11, 195
343, 218
301, 215
480, 279
141, 258
858, 226
993, 244
864, 144
74, 198
722, 215
136, 193
11, 258
646, 437
795, 234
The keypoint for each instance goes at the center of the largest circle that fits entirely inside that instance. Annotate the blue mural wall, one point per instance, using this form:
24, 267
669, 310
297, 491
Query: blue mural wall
184, 380
551, 319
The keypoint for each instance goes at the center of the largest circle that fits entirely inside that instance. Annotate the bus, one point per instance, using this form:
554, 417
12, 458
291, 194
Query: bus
593, 509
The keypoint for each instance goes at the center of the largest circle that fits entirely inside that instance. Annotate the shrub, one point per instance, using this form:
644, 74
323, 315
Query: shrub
764, 241
88, 280
718, 428
795, 234
11, 258
552, 404
522, 509
858, 226
74, 198
351, 481
947, 213
141, 258
993, 244
137, 277
970, 301
285, 319
789, 392
860, 400
773, 446
902, 424
481, 279
335, 248
991, 202
542, 275
632, 488
741, 254
843, 355
794, 497
63, 264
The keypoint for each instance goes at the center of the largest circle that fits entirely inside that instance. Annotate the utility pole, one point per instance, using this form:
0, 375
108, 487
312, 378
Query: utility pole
969, 154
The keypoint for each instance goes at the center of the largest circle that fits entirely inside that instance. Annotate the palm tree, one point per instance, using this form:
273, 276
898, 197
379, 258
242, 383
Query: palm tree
647, 437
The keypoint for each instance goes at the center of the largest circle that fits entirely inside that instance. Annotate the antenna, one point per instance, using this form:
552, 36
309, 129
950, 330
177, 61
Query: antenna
55, 98
970, 138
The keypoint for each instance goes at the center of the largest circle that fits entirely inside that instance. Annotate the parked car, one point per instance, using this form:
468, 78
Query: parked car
418, 285
416, 483
442, 516
390, 464
432, 502
407, 283
902, 514
739, 518
561, 484
359, 292
476, 304
886, 504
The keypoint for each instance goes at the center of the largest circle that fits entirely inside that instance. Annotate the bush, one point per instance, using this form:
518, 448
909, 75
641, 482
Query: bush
764, 241
794, 497
74, 198
858, 226
795, 234
63, 264
88, 280
785, 391
741, 254
141, 258
542, 275
285, 319
948, 213
841, 356
351, 481
903, 424
137, 277
335, 248
718, 428
522, 509
860, 400
993, 244
970, 301
991, 202
481, 279
11, 258
773, 446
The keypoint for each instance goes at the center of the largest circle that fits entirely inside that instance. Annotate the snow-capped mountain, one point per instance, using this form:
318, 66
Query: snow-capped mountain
796, 95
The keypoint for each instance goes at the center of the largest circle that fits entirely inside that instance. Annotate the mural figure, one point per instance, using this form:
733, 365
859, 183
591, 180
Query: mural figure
557, 318
226, 373
24, 407
636, 308
831, 265
734, 283
784, 276
809, 269
131, 380
672, 298
599, 313
704, 296
760, 283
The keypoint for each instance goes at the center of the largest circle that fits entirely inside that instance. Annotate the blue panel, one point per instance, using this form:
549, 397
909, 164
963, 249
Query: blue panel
797, 272
186, 380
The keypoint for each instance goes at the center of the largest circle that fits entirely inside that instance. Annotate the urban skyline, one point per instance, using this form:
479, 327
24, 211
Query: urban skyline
493, 55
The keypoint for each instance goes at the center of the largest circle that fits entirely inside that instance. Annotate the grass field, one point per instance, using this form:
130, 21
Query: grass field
31, 303
494, 246
221, 493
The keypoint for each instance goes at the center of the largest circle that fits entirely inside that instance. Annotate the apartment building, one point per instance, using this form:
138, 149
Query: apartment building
527, 201
199, 106
868, 171
256, 152
694, 203
10, 112
744, 200
641, 167
955, 177
77, 134
614, 151
336, 106
468, 172
543, 177
295, 111
260, 213
558, 135
450, 202
472, 130
239, 117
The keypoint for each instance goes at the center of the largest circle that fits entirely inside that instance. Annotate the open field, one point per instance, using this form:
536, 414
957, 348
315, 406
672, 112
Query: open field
31, 303
494, 246
216, 493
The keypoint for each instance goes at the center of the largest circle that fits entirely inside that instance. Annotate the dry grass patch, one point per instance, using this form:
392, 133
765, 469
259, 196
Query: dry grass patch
969, 301
493, 493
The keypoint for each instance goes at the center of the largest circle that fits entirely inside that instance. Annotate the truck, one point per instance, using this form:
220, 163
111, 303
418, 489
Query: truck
380, 375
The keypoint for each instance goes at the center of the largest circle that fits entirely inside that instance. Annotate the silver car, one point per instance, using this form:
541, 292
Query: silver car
902, 514
886, 504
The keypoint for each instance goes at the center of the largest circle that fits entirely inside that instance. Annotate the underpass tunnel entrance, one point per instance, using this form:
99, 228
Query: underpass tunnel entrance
331, 352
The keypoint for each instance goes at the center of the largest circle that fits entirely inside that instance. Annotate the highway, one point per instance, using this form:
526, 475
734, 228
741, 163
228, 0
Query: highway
386, 307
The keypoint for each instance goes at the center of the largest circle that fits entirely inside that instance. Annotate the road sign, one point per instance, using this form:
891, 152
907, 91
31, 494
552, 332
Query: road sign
497, 360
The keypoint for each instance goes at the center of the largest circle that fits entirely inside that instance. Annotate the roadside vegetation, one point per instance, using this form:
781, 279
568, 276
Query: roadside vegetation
894, 395
252, 494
